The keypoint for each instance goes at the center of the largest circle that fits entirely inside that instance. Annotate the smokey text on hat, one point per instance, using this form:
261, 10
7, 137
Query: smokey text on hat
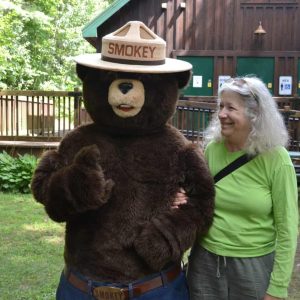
136, 51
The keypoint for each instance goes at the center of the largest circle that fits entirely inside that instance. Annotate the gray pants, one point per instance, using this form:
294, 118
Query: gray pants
214, 277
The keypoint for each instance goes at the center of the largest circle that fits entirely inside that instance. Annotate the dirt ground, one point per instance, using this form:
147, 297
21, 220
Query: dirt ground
294, 290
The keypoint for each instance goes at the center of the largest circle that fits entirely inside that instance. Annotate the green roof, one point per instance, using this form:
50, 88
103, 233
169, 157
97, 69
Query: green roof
90, 29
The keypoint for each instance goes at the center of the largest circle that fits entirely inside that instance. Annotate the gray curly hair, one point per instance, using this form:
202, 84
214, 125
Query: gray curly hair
268, 128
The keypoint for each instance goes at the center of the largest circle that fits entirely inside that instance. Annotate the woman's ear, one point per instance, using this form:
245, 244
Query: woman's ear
183, 78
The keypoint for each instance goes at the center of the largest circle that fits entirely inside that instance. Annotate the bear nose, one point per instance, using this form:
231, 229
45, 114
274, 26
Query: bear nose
124, 87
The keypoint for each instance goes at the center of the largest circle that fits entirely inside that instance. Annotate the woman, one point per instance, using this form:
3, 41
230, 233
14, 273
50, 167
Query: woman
249, 250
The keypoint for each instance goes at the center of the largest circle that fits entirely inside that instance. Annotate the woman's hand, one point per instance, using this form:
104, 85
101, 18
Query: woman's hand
269, 297
180, 199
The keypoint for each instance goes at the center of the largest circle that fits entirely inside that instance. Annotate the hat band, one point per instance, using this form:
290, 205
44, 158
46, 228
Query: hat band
133, 62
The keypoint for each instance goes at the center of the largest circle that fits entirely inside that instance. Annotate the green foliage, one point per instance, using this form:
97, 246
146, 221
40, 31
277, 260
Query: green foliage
16, 172
38, 40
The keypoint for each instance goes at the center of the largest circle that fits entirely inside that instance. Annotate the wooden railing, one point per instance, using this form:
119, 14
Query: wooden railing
39, 114
42, 115
192, 117
48, 116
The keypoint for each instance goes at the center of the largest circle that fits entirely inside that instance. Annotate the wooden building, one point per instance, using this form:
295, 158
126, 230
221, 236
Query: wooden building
220, 38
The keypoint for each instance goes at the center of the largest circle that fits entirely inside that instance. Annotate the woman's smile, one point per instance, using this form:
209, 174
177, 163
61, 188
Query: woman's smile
235, 125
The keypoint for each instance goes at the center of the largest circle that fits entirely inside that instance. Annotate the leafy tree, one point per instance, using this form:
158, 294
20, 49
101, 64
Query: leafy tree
38, 39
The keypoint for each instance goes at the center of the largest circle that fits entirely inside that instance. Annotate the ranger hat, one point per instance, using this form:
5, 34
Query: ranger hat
133, 48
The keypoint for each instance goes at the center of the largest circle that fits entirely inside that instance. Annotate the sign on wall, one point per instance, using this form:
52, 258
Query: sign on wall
285, 85
201, 83
222, 79
197, 81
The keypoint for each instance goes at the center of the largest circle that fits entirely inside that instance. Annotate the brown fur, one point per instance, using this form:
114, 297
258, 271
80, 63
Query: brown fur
113, 183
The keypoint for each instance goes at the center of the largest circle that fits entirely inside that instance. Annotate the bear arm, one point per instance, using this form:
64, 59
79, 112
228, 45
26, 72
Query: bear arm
166, 237
67, 190
199, 186
50, 162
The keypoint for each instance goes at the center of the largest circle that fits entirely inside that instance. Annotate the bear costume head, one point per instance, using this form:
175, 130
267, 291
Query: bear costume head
114, 181
126, 98
130, 103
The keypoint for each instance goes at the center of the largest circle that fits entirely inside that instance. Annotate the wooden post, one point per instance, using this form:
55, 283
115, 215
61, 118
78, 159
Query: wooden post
77, 95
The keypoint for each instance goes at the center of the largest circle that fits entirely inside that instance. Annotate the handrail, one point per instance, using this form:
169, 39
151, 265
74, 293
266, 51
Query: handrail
39, 93
49, 115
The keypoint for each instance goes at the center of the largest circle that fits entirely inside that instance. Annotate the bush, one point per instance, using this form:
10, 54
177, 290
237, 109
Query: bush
16, 172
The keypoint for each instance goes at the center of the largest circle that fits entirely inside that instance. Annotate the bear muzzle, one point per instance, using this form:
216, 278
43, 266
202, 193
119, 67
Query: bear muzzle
126, 97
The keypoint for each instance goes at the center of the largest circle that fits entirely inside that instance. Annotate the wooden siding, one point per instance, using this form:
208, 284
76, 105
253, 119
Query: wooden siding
222, 29
225, 62
215, 24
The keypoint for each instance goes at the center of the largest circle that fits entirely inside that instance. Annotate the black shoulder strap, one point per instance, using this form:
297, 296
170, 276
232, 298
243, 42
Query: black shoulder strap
232, 166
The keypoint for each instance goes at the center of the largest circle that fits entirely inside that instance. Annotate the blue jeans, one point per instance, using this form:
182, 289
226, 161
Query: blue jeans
175, 290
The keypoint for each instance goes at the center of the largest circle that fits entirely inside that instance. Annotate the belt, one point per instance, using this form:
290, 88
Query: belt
119, 293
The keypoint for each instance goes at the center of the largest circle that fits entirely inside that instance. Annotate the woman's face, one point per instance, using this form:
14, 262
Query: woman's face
235, 125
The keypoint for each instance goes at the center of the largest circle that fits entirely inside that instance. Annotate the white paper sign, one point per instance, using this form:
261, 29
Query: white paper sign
197, 81
222, 79
285, 85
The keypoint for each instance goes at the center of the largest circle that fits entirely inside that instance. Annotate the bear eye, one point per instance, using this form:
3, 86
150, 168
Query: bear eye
145, 78
111, 76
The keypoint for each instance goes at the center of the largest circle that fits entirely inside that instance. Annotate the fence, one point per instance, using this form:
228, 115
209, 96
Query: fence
38, 114
48, 116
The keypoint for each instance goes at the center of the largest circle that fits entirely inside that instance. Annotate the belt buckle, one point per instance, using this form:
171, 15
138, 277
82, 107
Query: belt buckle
108, 293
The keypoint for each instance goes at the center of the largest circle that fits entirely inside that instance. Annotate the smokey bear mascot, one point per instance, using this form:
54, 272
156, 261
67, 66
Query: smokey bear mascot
113, 181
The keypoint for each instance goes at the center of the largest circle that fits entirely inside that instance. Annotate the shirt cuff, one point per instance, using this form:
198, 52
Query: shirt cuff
277, 291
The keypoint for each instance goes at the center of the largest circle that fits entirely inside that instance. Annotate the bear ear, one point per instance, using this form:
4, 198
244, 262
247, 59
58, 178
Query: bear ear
82, 71
183, 78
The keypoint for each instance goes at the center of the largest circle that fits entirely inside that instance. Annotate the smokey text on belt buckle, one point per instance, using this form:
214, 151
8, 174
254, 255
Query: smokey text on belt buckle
108, 293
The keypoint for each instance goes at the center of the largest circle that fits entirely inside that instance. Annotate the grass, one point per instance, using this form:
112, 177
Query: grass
31, 251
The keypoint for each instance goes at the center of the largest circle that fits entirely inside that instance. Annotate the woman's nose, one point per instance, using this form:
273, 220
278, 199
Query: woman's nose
222, 113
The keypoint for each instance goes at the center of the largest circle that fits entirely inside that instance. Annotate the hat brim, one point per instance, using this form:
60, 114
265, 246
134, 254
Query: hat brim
171, 65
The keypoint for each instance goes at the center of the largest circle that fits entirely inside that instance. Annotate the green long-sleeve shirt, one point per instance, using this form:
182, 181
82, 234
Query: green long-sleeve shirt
256, 211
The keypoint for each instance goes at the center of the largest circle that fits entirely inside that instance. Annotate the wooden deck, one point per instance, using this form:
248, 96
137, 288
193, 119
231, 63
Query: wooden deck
22, 147
35, 121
